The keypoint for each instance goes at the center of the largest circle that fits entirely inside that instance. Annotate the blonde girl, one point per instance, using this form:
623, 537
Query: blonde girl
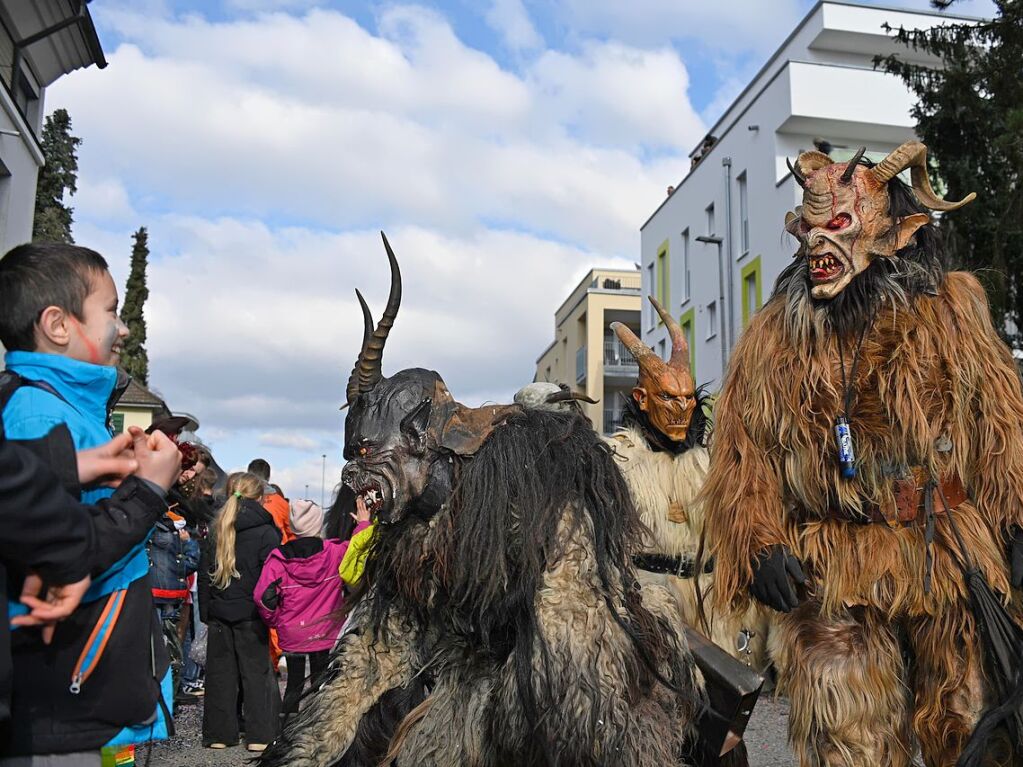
237, 652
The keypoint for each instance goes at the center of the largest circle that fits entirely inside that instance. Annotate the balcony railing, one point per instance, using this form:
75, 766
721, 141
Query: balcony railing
612, 420
617, 359
620, 282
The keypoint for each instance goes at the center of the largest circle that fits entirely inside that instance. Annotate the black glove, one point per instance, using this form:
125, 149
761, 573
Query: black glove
1016, 556
270, 597
774, 570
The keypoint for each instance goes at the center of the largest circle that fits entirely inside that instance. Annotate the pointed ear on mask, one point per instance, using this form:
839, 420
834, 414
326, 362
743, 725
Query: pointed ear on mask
414, 426
792, 223
639, 394
907, 226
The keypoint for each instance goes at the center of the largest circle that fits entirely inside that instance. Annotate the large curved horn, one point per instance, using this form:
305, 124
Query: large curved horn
568, 396
913, 155
642, 353
372, 354
367, 332
850, 166
679, 345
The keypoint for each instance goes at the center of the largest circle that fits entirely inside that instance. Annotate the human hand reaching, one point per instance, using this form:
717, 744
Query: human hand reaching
361, 513
776, 576
158, 458
109, 463
57, 603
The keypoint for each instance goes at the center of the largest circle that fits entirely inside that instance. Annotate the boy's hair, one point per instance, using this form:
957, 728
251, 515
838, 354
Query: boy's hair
41, 274
260, 468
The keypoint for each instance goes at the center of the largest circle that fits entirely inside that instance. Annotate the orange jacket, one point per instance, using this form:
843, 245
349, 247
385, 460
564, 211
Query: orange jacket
279, 508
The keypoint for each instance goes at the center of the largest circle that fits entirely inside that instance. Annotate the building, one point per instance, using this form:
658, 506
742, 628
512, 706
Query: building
39, 42
713, 248
138, 406
585, 354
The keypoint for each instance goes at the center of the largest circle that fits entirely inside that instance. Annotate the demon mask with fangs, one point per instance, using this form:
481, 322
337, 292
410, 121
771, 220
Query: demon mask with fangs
665, 392
844, 222
403, 434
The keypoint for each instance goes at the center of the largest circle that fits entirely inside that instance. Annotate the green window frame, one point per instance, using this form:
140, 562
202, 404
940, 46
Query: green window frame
688, 324
752, 269
117, 422
663, 278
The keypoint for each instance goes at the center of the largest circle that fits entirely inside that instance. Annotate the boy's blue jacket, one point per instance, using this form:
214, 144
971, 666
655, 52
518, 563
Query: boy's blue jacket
119, 702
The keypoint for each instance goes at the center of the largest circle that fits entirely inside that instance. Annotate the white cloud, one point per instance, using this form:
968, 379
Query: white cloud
263, 179
510, 19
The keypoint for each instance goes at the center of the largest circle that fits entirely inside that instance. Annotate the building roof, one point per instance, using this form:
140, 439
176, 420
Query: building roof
137, 395
57, 36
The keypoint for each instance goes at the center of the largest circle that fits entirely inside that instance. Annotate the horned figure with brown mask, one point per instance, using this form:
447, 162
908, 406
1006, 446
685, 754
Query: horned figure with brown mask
868, 449
501, 621
661, 450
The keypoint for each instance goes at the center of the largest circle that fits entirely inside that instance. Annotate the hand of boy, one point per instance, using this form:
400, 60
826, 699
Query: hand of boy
109, 463
55, 605
159, 459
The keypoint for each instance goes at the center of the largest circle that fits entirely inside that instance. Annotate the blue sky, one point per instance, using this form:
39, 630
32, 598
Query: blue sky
506, 146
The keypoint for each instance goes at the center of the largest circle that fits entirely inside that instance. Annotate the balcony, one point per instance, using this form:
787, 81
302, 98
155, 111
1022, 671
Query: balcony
618, 362
626, 282
612, 420
580, 365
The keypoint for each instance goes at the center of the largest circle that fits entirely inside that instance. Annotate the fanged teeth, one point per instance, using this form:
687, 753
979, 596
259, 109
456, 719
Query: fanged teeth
823, 262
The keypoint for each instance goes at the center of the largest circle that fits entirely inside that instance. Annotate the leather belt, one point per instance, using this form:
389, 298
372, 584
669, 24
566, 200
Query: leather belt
910, 495
683, 566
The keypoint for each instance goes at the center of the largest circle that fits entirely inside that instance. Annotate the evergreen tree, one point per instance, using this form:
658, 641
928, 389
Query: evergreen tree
134, 358
57, 177
969, 113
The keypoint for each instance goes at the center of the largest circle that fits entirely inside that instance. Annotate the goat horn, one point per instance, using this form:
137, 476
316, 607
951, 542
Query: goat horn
566, 396
799, 177
850, 166
371, 358
679, 344
367, 331
913, 155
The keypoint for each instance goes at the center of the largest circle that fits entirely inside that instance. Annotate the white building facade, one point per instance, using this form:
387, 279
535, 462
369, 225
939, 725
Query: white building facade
712, 250
40, 41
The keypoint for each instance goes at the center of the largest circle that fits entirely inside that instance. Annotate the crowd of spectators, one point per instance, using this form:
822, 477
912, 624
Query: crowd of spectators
104, 534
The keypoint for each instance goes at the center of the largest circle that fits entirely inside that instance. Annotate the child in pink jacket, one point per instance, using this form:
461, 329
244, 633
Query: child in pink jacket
299, 594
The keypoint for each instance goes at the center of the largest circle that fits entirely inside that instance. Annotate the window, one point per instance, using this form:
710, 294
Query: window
685, 265
710, 219
663, 277
687, 322
712, 319
6, 56
117, 423
743, 214
751, 289
662, 349
651, 291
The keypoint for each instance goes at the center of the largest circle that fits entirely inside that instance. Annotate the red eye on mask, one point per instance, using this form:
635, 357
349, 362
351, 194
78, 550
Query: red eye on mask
841, 221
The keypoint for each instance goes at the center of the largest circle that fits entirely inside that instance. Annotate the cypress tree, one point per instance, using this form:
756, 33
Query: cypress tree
57, 177
134, 358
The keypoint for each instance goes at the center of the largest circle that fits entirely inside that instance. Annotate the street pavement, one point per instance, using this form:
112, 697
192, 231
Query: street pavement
765, 741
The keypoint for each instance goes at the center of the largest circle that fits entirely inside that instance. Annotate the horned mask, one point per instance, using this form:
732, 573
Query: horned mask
665, 391
844, 222
402, 432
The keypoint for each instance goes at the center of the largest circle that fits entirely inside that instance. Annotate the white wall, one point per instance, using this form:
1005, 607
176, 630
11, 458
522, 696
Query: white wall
21, 157
820, 83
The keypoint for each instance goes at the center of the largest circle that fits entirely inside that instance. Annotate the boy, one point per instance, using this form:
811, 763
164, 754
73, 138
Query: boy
104, 680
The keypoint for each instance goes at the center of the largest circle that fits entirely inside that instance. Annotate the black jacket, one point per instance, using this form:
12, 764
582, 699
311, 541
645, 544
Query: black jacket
255, 537
68, 540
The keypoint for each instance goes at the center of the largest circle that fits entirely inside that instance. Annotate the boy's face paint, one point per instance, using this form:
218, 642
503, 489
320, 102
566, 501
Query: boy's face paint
98, 336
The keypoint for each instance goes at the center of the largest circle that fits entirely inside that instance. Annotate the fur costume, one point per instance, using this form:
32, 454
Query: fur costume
502, 623
665, 475
883, 645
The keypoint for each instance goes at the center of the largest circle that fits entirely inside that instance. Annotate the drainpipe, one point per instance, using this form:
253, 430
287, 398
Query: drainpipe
726, 162
715, 240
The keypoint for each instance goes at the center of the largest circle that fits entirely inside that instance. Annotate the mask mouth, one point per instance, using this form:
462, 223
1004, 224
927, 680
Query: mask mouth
825, 268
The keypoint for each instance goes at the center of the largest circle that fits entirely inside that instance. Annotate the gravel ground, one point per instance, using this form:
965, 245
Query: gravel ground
765, 741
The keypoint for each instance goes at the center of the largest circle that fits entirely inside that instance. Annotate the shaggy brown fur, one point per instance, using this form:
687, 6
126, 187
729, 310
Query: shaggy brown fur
935, 388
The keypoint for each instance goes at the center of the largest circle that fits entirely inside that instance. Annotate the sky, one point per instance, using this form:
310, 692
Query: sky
506, 147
